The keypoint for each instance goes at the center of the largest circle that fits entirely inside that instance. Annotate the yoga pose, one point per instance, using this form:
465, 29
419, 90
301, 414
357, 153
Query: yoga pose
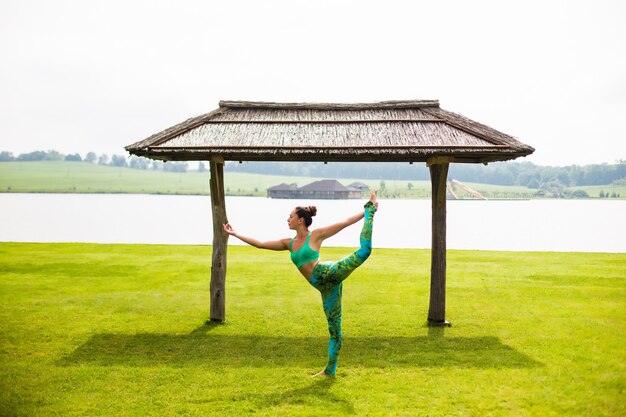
326, 277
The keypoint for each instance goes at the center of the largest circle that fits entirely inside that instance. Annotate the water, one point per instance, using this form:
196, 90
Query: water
534, 225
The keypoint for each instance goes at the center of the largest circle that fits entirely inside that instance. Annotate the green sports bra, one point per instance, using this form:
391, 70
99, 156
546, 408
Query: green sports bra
303, 255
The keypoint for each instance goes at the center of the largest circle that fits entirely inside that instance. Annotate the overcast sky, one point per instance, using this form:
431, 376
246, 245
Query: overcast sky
79, 76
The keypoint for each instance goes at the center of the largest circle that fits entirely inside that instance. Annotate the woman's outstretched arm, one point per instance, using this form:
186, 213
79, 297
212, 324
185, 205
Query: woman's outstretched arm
282, 244
328, 231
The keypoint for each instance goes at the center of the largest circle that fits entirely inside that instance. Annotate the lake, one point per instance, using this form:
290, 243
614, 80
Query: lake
532, 225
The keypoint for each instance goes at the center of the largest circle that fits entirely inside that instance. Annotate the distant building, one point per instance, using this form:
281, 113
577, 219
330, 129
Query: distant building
359, 186
324, 189
282, 190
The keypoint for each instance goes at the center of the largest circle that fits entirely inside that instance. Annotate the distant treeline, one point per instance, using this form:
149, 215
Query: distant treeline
103, 159
498, 173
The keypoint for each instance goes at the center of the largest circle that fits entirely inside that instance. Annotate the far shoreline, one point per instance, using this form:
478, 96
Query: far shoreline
63, 177
79, 192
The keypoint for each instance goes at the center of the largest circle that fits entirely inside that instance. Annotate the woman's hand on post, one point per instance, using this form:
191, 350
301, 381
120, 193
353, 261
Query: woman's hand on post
229, 229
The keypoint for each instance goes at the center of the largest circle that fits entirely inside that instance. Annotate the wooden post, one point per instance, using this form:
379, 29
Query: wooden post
220, 242
437, 307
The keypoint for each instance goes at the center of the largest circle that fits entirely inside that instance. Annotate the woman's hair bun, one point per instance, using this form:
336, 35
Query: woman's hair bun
312, 210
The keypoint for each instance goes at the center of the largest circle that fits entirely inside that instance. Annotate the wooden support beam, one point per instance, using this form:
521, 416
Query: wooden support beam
437, 307
220, 243
434, 160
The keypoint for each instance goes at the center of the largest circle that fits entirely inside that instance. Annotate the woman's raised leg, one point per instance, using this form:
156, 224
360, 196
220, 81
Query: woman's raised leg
351, 262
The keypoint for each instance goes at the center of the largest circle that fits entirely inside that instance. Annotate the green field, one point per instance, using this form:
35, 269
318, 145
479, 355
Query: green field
81, 177
119, 330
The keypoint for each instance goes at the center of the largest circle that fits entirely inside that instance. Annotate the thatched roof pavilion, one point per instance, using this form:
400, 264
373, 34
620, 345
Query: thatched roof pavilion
389, 131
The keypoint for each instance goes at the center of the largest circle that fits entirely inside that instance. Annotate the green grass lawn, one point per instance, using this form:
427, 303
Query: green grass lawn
119, 330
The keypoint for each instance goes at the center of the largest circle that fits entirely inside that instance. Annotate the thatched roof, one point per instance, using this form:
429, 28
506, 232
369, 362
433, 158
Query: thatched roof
410, 131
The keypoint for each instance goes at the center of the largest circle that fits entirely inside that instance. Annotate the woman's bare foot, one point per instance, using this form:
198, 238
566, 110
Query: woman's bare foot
373, 199
373, 196
320, 373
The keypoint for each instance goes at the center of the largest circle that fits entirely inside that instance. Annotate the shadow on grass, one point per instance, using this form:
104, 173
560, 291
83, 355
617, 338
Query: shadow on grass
205, 347
316, 394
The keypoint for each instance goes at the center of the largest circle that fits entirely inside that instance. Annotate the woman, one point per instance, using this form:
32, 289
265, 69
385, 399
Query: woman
326, 277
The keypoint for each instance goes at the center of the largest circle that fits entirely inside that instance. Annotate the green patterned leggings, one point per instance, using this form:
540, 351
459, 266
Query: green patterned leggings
328, 279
